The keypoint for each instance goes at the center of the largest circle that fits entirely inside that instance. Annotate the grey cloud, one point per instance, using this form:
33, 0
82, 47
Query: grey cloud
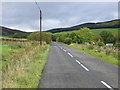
60, 14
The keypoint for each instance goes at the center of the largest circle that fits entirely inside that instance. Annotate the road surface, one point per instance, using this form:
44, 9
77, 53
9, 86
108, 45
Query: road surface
70, 68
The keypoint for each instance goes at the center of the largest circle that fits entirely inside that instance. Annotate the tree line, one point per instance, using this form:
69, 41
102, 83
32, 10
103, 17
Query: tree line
85, 35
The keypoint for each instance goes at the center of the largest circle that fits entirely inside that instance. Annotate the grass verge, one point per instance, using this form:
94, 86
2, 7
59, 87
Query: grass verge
23, 65
100, 55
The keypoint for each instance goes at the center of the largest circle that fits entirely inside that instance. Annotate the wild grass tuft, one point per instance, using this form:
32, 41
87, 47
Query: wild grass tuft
24, 65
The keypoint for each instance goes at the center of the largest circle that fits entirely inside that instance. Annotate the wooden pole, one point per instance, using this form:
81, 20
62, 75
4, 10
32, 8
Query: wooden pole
40, 27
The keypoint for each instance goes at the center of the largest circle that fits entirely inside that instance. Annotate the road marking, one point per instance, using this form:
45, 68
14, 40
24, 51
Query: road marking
84, 67
78, 62
107, 85
64, 50
70, 54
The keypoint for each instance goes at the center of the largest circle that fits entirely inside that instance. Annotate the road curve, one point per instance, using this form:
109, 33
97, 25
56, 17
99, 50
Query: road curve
70, 68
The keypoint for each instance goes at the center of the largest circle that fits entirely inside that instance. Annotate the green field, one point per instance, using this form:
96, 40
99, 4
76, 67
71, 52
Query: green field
113, 30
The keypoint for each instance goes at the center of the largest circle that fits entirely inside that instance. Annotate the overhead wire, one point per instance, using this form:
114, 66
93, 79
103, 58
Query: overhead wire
37, 5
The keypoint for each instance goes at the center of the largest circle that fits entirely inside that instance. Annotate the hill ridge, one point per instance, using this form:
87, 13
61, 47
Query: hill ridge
99, 25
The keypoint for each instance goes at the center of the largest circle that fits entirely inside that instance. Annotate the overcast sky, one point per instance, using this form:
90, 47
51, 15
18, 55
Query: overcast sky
25, 15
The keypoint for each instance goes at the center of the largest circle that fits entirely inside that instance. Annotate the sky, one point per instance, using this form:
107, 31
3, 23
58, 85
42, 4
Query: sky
25, 15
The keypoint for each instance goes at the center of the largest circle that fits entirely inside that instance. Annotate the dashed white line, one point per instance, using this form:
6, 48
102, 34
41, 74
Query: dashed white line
70, 54
64, 50
78, 62
84, 67
108, 86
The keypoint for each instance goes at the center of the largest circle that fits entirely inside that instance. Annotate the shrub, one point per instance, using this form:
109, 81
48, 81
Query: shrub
117, 45
97, 38
46, 36
115, 53
99, 50
100, 43
107, 37
68, 40
90, 47
19, 35
108, 52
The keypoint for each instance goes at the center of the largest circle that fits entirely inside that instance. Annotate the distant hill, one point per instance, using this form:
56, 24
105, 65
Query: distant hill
9, 32
100, 25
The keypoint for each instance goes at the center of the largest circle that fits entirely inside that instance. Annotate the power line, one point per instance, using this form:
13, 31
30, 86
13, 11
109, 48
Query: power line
37, 5
40, 22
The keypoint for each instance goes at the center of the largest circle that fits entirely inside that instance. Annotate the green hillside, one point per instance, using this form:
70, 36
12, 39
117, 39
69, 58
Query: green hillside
13, 33
100, 25
97, 31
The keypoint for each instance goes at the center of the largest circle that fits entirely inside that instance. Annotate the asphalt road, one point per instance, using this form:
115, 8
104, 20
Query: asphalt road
70, 68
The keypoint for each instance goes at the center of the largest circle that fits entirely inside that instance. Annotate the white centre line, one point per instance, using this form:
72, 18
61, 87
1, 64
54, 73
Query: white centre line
78, 62
84, 67
70, 54
64, 50
107, 85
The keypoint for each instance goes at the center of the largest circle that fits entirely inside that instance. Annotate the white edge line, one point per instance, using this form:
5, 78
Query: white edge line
84, 67
106, 84
78, 62
70, 54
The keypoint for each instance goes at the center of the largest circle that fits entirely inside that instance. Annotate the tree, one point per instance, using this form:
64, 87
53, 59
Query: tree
19, 35
68, 41
79, 36
46, 36
107, 37
84, 35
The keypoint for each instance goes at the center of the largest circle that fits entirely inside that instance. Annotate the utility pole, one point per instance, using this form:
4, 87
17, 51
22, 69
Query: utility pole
40, 22
40, 27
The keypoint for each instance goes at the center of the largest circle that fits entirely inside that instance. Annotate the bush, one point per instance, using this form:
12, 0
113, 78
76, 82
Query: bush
68, 41
46, 36
108, 52
100, 43
107, 37
115, 53
117, 45
19, 35
97, 38
99, 50
90, 47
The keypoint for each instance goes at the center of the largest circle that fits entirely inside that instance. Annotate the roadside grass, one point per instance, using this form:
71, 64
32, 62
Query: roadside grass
22, 68
1, 66
113, 30
98, 54
9, 50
